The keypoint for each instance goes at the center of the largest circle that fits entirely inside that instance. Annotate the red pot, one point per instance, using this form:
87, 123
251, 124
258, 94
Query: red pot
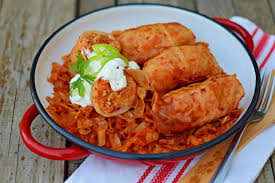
53, 48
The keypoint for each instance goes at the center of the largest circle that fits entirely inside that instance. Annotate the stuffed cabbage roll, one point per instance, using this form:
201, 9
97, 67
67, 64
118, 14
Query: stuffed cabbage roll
197, 104
111, 103
89, 38
182, 65
144, 42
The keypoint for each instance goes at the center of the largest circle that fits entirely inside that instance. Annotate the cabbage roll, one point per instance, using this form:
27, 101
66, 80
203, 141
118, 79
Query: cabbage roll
111, 103
182, 65
197, 104
144, 42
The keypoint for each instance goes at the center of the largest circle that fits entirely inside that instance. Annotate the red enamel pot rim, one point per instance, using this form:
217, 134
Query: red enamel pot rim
223, 23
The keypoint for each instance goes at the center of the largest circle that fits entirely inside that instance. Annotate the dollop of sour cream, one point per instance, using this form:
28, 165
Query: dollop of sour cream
133, 65
93, 66
113, 71
76, 99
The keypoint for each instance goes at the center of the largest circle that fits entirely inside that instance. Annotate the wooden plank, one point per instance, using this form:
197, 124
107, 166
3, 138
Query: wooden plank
9, 79
73, 165
257, 11
260, 178
272, 7
86, 5
188, 4
216, 8
272, 158
266, 175
24, 26
129, 1
1, 3
203, 171
33, 167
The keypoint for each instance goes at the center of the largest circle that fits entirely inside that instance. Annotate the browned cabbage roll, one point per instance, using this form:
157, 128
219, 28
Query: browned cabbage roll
177, 66
111, 103
144, 42
197, 104
88, 38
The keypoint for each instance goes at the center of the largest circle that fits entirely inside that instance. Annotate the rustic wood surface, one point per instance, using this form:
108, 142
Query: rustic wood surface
24, 26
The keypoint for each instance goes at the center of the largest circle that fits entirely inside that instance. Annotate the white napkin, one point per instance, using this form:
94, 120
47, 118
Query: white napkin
245, 166
248, 163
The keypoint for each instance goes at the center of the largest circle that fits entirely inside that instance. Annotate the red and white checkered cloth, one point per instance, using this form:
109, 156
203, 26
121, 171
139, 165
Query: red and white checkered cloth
243, 169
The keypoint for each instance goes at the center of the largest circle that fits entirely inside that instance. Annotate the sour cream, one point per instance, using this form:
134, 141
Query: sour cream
76, 99
93, 66
133, 65
113, 71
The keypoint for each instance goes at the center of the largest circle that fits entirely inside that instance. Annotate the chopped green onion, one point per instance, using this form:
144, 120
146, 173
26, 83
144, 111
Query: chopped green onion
106, 50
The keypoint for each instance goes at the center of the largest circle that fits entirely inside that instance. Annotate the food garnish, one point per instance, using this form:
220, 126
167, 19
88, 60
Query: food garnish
79, 66
103, 54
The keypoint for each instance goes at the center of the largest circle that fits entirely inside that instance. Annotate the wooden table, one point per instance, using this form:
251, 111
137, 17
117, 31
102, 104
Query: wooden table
24, 26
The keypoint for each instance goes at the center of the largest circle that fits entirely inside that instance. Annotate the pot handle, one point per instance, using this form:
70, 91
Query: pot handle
239, 29
67, 153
